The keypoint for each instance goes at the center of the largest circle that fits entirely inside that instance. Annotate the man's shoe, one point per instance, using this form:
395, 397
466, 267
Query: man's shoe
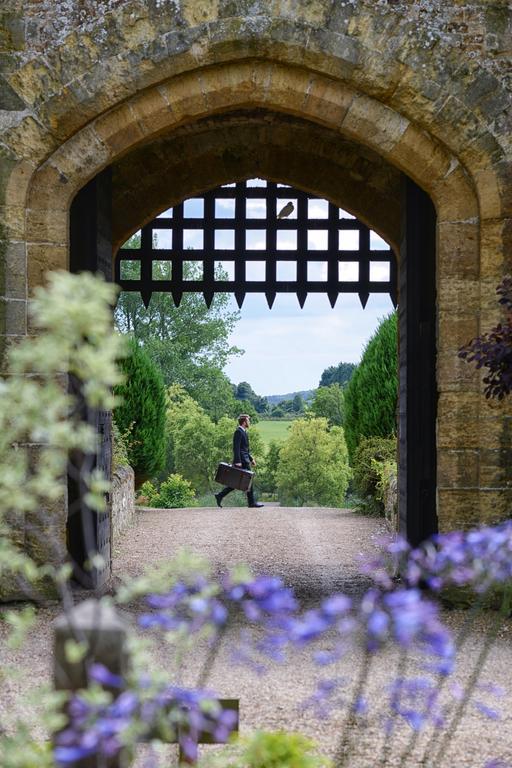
218, 499
257, 504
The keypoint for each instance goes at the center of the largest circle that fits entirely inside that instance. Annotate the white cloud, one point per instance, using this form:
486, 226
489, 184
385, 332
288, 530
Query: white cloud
288, 348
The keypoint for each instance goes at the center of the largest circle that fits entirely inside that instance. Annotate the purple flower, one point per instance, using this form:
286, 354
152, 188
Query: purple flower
100, 674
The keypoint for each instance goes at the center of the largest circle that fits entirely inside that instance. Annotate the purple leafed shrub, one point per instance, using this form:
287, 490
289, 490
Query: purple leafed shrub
493, 350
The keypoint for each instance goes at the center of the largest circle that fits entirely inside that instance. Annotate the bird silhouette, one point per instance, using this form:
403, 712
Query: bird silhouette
286, 211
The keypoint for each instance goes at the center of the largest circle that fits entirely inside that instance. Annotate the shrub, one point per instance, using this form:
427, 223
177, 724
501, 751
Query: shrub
267, 471
329, 402
142, 413
313, 465
371, 395
371, 452
174, 493
120, 447
387, 489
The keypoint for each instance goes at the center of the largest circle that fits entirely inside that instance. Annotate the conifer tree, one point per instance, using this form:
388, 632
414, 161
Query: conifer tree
371, 395
141, 413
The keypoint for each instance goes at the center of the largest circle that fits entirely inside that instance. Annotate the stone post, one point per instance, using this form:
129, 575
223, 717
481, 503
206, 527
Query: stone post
103, 632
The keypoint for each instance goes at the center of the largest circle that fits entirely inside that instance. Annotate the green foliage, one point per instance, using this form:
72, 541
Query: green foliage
329, 403
120, 446
313, 465
371, 395
274, 749
243, 391
196, 443
337, 374
370, 453
267, 471
20, 750
173, 493
74, 318
141, 413
189, 343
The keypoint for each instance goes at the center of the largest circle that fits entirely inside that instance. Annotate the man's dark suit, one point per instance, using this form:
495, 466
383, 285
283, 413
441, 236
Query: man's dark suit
241, 455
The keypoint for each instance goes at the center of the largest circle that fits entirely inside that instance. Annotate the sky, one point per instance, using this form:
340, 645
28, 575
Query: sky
287, 348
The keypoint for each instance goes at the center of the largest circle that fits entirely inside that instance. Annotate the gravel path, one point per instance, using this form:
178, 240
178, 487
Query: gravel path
316, 552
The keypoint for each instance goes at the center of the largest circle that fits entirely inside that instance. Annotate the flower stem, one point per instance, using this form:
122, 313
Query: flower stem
342, 752
473, 679
442, 679
401, 672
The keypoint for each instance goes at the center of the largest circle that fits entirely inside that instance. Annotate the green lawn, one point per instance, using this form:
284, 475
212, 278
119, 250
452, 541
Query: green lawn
272, 430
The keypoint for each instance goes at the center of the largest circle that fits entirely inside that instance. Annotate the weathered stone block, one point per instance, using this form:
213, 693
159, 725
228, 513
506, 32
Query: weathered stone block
118, 129
417, 150
457, 294
496, 468
327, 101
455, 329
44, 258
381, 126
455, 197
47, 225
457, 468
13, 316
459, 254
186, 97
152, 111
496, 249
16, 271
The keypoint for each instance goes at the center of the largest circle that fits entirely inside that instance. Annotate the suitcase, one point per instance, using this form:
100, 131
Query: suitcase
234, 477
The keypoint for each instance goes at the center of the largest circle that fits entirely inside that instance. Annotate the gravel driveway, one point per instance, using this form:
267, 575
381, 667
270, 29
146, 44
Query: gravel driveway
316, 551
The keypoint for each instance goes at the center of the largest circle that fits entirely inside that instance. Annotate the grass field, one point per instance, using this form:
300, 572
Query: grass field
272, 430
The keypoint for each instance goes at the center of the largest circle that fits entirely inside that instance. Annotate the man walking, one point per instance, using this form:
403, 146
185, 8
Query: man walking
241, 458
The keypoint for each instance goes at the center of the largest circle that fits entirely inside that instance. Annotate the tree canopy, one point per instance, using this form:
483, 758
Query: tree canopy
189, 343
313, 465
337, 374
140, 415
329, 403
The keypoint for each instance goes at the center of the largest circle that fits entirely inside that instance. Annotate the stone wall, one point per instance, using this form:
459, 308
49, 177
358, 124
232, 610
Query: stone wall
123, 502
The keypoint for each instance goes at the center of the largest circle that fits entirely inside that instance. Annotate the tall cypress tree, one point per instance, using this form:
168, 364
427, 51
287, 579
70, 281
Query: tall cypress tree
141, 414
371, 394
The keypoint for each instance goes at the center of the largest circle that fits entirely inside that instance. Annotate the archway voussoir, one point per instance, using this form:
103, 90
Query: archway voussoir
186, 97
225, 86
81, 159
119, 129
377, 125
50, 189
454, 196
327, 101
421, 157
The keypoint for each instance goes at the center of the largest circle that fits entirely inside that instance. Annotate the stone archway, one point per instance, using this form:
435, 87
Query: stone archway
354, 72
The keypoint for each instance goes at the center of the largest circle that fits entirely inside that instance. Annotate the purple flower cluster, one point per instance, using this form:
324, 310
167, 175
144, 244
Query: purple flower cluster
100, 730
480, 559
416, 700
191, 607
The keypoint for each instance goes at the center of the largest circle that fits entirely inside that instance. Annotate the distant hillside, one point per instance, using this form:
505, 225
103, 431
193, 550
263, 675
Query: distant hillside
306, 394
